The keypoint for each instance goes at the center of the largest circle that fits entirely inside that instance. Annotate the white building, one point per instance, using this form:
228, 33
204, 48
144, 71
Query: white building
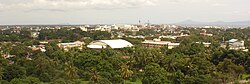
67, 46
235, 44
114, 44
126, 26
38, 47
171, 37
140, 36
158, 43
204, 43
83, 28
204, 32
35, 34
103, 28
114, 26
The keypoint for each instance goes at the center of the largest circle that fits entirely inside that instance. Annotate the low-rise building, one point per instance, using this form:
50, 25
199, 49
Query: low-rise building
235, 44
205, 44
67, 46
83, 28
43, 42
170, 37
103, 28
155, 43
204, 33
114, 44
140, 36
38, 47
35, 34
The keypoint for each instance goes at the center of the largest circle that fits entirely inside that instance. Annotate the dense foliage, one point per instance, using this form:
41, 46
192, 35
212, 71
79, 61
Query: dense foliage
190, 63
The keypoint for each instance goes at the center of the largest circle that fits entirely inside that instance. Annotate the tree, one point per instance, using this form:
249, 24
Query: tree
46, 69
70, 71
14, 71
101, 35
27, 80
154, 74
3, 64
95, 77
1, 73
20, 51
170, 65
5, 48
125, 72
227, 67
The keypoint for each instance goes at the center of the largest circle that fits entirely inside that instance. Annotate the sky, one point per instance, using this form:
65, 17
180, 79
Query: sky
121, 11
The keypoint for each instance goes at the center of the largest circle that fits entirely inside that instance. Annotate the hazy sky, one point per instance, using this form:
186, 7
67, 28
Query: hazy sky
121, 11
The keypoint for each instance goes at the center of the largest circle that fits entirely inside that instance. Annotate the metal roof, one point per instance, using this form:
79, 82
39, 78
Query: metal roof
118, 43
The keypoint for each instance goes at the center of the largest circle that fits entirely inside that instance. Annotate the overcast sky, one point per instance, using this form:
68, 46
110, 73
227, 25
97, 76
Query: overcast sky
121, 11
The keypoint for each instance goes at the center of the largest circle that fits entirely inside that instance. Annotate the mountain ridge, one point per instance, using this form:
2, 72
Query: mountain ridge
216, 22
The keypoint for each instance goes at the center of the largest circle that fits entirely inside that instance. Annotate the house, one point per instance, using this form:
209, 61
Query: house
204, 33
155, 43
125, 57
235, 44
170, 37
114, 27
114, 44
140, 36
43, 42
204, 43
38, 47
35, 34
126, 26
103, 28
5, 56
182, 35
83, 28
67, 46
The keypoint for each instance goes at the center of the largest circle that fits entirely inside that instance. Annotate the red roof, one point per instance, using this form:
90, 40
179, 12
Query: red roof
35, 49
157, 34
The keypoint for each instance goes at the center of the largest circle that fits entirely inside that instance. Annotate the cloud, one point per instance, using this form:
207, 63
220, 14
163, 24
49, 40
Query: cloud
79, 4
218, 5
187, 1
236, 12
1, 6
54, 10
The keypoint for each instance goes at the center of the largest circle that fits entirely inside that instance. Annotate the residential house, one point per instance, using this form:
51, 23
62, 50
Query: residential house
204, 43
204, 33
235, 44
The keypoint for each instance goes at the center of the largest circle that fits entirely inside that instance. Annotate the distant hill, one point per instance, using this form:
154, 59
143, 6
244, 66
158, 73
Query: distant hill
241, 22
218, 23
189, 22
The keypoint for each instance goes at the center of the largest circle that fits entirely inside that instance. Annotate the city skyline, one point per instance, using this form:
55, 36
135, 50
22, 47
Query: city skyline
121, 11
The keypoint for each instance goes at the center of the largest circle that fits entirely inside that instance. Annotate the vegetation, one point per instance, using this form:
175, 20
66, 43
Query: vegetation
189, 63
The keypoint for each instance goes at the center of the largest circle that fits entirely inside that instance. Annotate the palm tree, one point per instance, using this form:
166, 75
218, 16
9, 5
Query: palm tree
126, 73
171, 66
94, 76
6, 48
42, 64
140, 57
70, 71
1, 73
